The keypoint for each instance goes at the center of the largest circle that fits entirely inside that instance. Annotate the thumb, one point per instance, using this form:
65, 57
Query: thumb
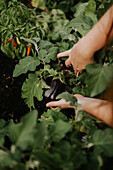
68, 62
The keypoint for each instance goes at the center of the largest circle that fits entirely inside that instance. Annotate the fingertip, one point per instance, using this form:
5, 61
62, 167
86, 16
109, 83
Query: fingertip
57, 56
47, 105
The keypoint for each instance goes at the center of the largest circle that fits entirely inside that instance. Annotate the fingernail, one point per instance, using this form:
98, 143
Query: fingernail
58, 55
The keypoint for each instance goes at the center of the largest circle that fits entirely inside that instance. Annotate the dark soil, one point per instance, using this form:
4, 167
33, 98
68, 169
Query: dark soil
11, 103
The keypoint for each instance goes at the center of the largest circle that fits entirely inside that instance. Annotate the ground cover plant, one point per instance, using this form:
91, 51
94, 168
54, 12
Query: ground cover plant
32, 33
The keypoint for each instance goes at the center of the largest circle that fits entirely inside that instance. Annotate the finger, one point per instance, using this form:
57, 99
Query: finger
55, 108
64, 54
77, 74
68, 62
81, 71
52, 104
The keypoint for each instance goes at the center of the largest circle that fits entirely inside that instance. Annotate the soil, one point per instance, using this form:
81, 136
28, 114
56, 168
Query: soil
11, 103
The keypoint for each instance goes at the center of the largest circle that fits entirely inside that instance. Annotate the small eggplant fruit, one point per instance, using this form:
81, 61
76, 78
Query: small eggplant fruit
56, 88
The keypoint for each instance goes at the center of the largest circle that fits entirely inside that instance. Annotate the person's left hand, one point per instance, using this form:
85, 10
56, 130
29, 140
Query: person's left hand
62, 104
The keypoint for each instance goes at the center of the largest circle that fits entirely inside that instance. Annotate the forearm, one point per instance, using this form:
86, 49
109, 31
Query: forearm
101, 109
97, 36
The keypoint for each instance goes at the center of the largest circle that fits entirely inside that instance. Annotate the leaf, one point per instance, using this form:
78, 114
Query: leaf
3, 157
79, 8
3, 128
68, 97
90, 11
33, 87
45, 44
91, 6
6, 49
51, 71
47, 160
82, 24
26, 64
42, 135
102, 141
99, 77
47, 117
59, 129
63, 46
46, 56
56, 115
41, 4
22, 134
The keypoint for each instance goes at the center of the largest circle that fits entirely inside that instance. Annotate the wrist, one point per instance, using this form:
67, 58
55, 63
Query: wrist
86, 46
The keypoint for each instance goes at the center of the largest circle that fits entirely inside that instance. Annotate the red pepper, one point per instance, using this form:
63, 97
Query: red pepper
14, 43
28, 50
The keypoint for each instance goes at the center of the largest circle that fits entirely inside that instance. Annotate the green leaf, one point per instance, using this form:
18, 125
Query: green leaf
33, 87
41, 4
102, 141
41, 135
47, 117
46, 56
45, 45
51, 71
22, 134
79, 8
82, 24
26, 64
68, 97
99, 77
91, 6
47, 160
3, 157
3, 128
59, 129
56, 114
6, 49
90, 11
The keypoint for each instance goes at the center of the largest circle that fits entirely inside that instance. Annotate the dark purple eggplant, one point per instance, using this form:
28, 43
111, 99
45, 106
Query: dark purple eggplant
56, 87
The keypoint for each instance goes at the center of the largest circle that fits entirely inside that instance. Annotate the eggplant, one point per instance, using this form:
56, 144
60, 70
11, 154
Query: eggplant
56, 87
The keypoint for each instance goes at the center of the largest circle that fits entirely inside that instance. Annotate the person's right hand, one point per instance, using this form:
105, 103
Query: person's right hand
79, 55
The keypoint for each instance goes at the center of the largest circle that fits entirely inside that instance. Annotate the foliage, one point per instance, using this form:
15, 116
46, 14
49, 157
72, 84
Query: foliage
54, 139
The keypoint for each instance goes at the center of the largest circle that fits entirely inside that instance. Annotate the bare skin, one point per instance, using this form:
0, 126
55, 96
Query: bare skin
82, 52
101, 109
80, 55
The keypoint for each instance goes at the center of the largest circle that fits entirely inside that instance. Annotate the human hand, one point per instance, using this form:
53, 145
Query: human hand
79, 55
62, 104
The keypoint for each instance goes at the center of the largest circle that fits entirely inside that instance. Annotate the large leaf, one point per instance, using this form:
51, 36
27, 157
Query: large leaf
82, 24
46, 56
33, 87
59, 129
103, 142
28, 63
22, 134
99, 78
